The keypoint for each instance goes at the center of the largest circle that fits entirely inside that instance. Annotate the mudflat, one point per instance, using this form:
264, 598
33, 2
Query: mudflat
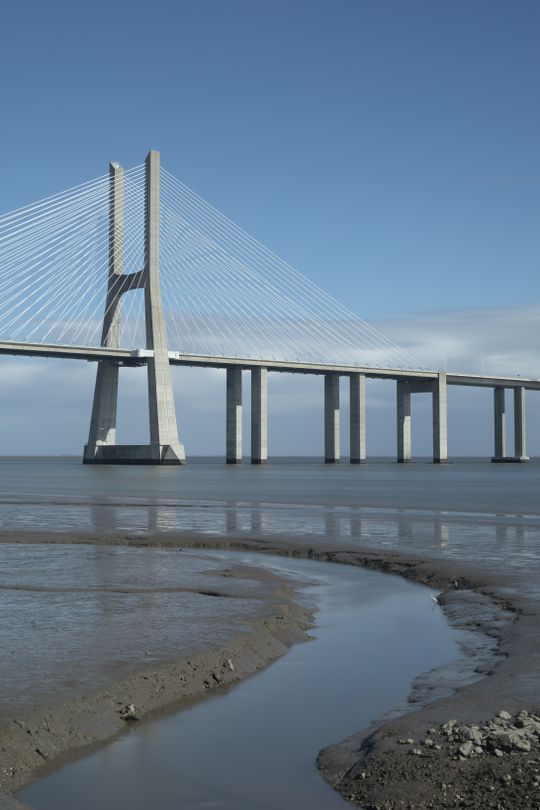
483, 565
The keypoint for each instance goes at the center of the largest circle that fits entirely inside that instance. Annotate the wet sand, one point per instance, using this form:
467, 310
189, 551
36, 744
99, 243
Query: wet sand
67, 684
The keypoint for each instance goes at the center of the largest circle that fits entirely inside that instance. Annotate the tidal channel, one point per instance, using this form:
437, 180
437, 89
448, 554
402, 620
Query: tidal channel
254, 746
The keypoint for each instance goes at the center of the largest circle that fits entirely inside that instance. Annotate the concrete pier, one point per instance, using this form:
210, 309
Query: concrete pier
440, 421
357, 416
331, 418
499, 424
234, 416
520, 440
259, 415
104, 408
164, 447
164, 443
403, 422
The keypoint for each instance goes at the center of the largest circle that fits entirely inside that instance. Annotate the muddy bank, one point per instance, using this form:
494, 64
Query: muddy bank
364, 768
42, 736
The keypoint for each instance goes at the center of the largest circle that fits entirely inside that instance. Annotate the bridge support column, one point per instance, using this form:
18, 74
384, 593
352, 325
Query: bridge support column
403, 421
499, 424
259, 415
104, 408
440, 427
520, 442
331, 418
357, 416
164, 443
234, 416
164, 447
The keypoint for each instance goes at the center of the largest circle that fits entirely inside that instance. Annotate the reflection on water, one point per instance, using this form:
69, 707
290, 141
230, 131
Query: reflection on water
487, 540
483, 514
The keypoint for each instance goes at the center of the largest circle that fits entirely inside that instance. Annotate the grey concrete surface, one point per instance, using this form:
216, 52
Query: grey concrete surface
520, 429
403, 422
331, 418
440, 420
259, 415
234, 416
357, 417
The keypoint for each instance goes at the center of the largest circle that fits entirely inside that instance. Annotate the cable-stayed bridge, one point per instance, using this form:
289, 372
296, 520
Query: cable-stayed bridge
134, 268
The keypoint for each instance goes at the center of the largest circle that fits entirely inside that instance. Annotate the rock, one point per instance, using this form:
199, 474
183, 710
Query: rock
466, 749
229, 664
470, 733
504, 715
129, 713
498, 752
509, 740
406, 741
529, 723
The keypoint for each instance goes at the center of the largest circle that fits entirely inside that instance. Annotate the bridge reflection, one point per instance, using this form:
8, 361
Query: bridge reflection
504, 543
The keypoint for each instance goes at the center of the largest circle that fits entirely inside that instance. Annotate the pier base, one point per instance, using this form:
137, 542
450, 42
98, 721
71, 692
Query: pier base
135, 454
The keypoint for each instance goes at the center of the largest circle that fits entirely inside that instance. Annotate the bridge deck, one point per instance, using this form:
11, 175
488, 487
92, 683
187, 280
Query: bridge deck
134, 358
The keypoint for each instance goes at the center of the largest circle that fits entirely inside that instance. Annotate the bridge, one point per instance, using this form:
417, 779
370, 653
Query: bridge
134, 269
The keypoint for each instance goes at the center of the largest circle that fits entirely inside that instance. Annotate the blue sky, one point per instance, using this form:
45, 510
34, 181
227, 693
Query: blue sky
388, 150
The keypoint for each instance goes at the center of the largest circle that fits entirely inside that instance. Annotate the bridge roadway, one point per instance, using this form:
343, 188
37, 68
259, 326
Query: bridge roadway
408, 382
138, 357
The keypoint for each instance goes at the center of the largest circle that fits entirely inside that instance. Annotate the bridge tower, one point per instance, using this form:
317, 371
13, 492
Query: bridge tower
164, 447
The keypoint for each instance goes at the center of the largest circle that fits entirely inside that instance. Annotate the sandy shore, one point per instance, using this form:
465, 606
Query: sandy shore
373, 768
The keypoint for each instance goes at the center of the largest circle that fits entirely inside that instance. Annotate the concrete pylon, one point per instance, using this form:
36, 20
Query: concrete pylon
499, 424
234, 415
357, 418
440, 419
259, 415
520, 442
331, 418
103, 420
403, 421
164, 447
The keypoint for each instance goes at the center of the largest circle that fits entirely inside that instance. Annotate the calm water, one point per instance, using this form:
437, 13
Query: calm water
479, 513
254, 747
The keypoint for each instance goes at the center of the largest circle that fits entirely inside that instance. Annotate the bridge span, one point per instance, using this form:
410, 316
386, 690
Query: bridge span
409, 381
71, 267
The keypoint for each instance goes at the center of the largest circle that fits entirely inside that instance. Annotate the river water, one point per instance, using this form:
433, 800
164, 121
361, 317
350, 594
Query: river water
473, 512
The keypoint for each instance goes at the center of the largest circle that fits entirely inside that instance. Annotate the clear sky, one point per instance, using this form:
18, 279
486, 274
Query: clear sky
388, 150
